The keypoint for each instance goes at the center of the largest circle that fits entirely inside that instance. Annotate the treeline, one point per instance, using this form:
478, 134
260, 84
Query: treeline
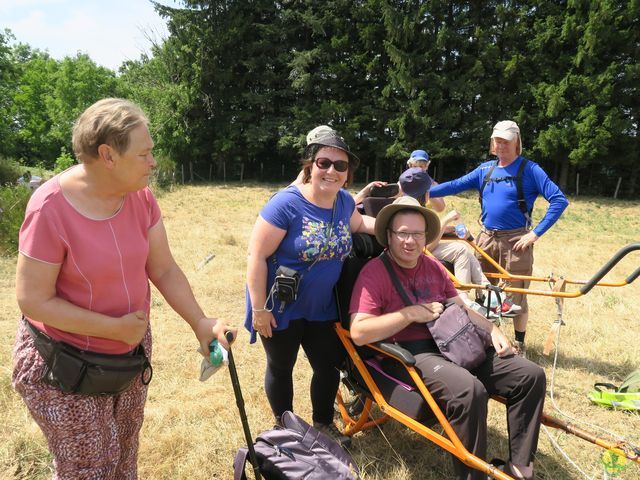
237, 84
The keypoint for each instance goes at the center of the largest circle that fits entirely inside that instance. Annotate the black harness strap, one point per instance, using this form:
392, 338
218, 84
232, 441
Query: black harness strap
395, 279
522, 204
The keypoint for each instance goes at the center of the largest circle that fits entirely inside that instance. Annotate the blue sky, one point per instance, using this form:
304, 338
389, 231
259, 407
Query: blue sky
109, 31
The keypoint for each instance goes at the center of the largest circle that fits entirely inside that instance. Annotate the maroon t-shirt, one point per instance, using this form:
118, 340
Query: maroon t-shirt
375, 294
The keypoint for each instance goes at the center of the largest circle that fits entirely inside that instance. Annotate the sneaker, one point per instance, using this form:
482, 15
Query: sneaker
332, 431
494, 300
482, 310
520, 348
508, 307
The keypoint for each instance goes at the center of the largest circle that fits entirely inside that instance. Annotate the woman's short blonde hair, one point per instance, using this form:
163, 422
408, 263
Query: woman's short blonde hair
108, 121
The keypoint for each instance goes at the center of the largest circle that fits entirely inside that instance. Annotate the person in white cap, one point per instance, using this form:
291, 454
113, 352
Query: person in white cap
508, 187
296, 251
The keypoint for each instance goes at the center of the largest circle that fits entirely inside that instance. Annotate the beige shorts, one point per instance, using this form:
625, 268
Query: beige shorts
499, 246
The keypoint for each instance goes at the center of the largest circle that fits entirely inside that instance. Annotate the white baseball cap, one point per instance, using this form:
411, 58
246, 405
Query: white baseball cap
319, 132
506, 129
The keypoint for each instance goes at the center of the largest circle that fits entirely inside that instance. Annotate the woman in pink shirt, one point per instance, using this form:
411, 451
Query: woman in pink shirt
91, 240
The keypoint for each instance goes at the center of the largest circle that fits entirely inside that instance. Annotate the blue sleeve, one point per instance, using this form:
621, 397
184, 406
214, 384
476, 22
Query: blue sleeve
551, 192
348, 201
277, 211
470, 181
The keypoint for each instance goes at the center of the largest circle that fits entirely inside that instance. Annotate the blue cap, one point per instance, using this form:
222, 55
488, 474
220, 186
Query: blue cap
419, 155
415, 182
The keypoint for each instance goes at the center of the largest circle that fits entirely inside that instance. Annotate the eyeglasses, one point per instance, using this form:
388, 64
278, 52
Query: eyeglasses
324, 163
404, 236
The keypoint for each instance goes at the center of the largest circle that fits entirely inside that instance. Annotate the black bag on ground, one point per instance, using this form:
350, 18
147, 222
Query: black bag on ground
88, 373
297, 451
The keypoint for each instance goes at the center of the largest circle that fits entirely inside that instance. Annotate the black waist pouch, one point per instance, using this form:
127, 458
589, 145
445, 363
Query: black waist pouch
88, 373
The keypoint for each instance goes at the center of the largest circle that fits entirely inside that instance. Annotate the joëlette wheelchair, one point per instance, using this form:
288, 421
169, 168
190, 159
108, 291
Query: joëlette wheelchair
383, 373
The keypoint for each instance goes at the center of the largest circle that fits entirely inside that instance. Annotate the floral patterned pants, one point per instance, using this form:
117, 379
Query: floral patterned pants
90, 437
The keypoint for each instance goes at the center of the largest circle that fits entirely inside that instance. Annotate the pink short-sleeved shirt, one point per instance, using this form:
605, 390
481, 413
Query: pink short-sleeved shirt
102, 262
375, 294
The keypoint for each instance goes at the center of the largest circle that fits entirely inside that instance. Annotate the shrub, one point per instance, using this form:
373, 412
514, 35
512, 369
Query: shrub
10, 171
164, 173
64, 161
13, 201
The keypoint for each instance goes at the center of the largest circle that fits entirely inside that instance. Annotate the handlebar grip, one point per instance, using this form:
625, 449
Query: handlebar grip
609, 265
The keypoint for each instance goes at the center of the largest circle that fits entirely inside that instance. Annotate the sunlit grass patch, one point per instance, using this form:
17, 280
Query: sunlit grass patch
192, 429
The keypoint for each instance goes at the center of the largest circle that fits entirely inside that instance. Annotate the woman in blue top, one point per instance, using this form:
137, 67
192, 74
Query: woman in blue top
307, 228
506, 222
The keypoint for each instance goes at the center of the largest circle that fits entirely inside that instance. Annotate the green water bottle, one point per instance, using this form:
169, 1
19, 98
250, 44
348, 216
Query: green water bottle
215, 353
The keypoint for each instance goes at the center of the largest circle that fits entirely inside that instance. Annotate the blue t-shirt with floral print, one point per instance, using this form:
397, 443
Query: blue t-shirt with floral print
308, 240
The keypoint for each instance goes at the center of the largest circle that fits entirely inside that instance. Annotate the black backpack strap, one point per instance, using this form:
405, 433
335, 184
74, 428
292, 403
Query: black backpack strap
394, 279
522, 204
485, 180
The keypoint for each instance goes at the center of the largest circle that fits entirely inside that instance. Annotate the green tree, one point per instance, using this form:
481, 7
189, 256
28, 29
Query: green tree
150, 83
9, 75
34, 143
77, 83
240, 82
587, 99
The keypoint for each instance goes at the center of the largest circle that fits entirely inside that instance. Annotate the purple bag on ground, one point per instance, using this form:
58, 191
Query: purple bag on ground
297, 451
458, 338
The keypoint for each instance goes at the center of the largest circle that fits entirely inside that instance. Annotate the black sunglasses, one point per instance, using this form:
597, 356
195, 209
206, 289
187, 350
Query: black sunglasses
324, 163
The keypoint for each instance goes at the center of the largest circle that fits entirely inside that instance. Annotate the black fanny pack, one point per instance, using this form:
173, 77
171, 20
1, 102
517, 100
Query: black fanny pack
88, 373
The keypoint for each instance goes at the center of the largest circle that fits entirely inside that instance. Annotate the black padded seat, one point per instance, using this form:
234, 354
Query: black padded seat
373, 205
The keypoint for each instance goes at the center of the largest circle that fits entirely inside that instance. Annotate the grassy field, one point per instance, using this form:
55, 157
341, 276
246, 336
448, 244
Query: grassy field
192, 429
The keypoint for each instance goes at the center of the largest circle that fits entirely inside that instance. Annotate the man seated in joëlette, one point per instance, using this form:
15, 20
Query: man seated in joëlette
379, 313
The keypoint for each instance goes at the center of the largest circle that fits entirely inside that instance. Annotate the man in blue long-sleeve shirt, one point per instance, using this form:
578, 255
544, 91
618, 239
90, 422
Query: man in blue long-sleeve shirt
506, 222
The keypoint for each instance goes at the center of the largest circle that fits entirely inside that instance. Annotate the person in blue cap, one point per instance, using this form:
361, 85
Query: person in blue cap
420, 159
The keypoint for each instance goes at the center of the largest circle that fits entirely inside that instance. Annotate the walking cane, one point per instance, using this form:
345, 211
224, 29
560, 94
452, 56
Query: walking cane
240, 403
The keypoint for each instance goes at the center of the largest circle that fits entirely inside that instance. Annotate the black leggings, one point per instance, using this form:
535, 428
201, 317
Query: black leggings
325, 353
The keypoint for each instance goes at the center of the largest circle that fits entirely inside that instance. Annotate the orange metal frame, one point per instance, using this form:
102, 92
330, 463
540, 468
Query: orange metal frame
449, 440
502, 274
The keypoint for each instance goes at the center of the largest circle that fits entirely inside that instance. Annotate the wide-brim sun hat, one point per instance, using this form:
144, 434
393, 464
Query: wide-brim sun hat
432, 221
328, 137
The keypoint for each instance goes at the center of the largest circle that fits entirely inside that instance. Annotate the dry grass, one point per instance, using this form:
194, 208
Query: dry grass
192, 429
